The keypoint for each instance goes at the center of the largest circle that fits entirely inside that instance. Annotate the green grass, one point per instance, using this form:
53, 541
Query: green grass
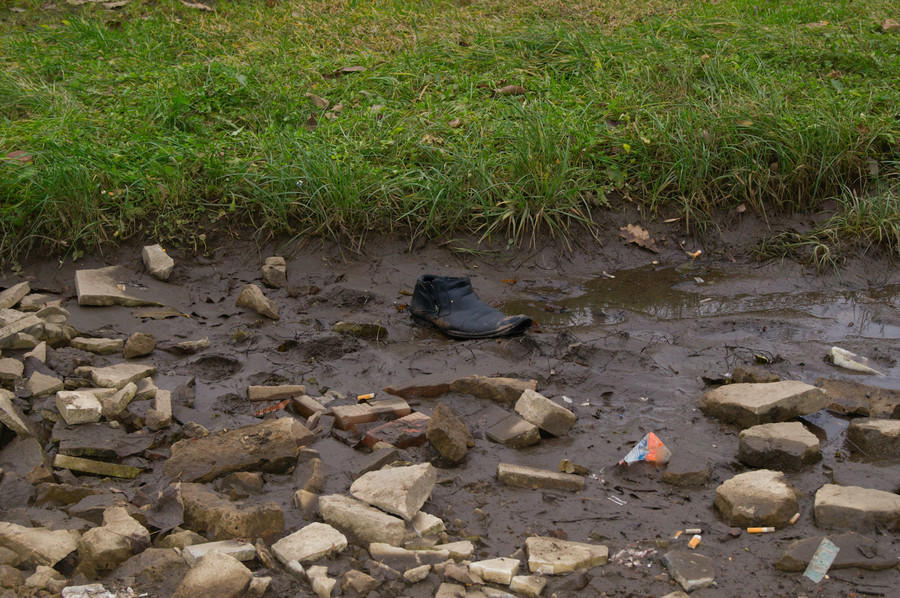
157, 117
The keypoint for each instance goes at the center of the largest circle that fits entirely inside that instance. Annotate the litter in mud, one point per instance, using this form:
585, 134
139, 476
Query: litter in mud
853, 362
821, 560
650, 448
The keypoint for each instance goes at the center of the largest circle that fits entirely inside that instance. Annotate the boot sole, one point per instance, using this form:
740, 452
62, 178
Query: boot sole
510, 331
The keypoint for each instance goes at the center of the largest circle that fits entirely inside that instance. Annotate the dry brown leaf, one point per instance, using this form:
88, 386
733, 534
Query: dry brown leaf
455, 123
637, 235
510, 90
317, 101
671, 220
198, 6
741, 209
890, 26
744, 122
352, 69
20, 156
816, 25
337, 108
311, 123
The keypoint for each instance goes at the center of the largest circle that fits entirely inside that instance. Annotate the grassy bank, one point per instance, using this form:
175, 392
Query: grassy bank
496, 116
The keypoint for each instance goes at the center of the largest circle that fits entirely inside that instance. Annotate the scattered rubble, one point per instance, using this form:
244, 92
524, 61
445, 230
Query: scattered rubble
158, 263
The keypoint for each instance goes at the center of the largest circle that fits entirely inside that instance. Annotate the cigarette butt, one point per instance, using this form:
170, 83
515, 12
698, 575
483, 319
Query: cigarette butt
678, 534
760, 530
366, 397
695, 542
794, 518
693, 531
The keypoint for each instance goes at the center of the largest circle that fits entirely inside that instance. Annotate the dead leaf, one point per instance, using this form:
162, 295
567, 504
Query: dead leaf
351, 69
744, 122
816, 25
510, 90
198, 6
330, 115
317, 101
671, 220
431, 140
455, 123
337, 108
311, 123
890, 26
741, 209
637, 235
22, 157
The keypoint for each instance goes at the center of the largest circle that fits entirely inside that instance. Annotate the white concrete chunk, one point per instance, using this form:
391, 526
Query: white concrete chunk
529, 586
36, 545
117, 376
537, 409
158, 263
98, 346
361, 523
242, 551
78, 407
398, 490
310, 543
551, 556
756, 498
499, 570
11, 296
751, 404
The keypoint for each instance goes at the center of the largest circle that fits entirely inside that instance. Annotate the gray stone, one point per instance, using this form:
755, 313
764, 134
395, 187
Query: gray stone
158, 568
786, 446
146, 389
537, 409
359, 522
448, 434
401, 558
208, 513
756, 498
38, 546
425, 524
274, 272
53, 314
58, 335
11, 296
242, 551
551, 556
117, 376
751, 375
853, 398
450, 590
690, 569
858, 509
138, 345
322, 585
37, 301
307, 406
101, 287
686, 468
216, 574
272, 446
876, 437
11, 417
514, 432
100, 441
258, 586
158, 263
530, 477
458, 551
78, 407
160, 417
366, 330
11, 369
311, 543
274, 393
373, 461
9, 333
253, 298
505, 391
751, 404
499, 570
40, 385
529, 586
8, 557
98, 346
854, 551
398, 490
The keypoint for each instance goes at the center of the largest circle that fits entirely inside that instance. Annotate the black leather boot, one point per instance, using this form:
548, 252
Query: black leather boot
450, 305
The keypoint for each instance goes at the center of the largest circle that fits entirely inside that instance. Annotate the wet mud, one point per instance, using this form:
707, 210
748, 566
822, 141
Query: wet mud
626, 339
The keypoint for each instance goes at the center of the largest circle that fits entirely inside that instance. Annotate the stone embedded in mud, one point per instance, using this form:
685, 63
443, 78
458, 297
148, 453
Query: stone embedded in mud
103, 286
398, 490
38, 301
537, 409
253, 298
98, 346
686, 468
100, 441
505, 391
311, 543
99, 468
36, 545
138, 345
274, 393
208, 513
751, 404
529, 586
853, 398
274, 272
448, 434
347, 416
242, 551
322, 585
117, 376
272, 446
402, 433
9, 297
854, 551
416, 574
756, 498
158, 263
550, 556
751, 375
873, 437
78, 407
530, 477
359, 522
375, 460
858, 509
364, 330
159, 568
500, 570
514, 432
785, 446
216, 574
690, 569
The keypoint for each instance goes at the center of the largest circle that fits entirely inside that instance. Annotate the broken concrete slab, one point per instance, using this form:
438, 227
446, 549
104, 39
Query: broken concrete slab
551, 556
41, 385
752, 404
215, 574
398, 490
500, 570
530, 477
692, 570
253, 298
100, 468
425, 524
529, 586
448, 434
120, 537
785, 446
11, 296
756, 498
107, 286
272, 446
242, 551
347, 416
858, 509
11, 369
875, 437
117, 376
211, 514
112, 405
27, 325
514, 432
160, 416
402, 433
361, 523
855, 551
157, 262
98, 346
310, 543
537, 409
38, 546
100, 441
307, 406
78, 407
403, 559
274, 393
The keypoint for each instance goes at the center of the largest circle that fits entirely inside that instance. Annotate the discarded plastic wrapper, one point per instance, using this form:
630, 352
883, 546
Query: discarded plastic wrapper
650, 448
821, 560
851, 361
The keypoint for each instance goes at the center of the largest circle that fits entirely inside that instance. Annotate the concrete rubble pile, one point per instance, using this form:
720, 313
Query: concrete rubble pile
117, 491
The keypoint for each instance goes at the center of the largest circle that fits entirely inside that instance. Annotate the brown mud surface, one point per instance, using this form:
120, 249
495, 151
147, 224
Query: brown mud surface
626, 335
